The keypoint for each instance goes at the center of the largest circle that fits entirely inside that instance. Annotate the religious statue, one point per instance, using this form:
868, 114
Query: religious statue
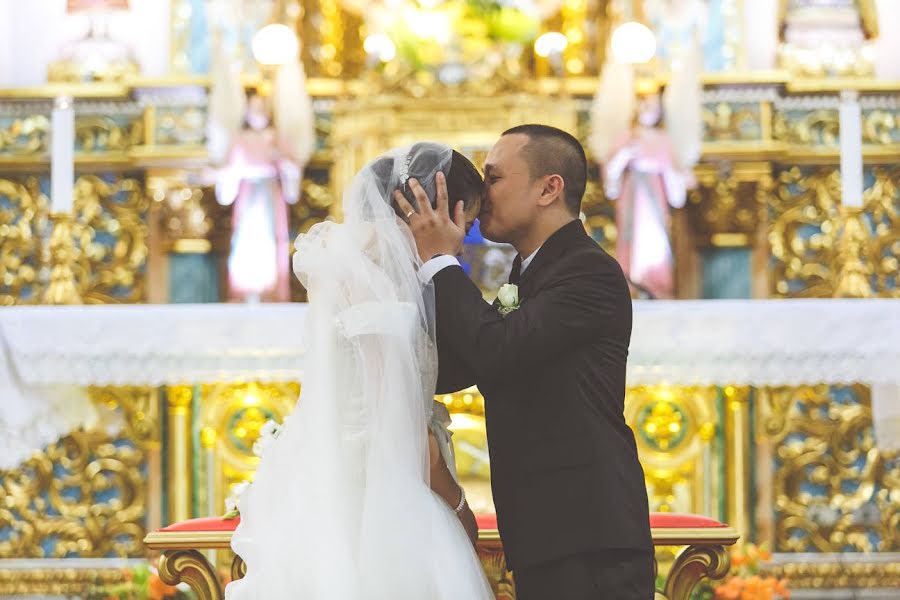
642, 174
259, 179
259, 154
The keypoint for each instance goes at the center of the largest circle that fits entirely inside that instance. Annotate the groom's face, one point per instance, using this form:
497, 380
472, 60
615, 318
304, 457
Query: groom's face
510, 203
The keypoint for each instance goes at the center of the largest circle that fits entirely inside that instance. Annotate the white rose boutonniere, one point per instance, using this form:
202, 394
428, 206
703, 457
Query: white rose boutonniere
508, 297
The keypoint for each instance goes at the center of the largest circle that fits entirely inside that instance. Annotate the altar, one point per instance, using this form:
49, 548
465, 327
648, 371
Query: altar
730, 401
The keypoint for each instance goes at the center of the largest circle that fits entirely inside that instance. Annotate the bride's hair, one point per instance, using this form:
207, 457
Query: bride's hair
464, 182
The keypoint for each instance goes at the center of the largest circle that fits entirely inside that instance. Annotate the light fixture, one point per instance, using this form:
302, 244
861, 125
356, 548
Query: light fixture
552, 42
275, 44
633, 43
380, 46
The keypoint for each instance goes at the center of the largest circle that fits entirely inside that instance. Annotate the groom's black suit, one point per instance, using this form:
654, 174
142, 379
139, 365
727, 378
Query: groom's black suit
564, 468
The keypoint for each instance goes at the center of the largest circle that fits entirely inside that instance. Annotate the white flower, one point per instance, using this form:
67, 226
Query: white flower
268, 433
232, 502
508, 295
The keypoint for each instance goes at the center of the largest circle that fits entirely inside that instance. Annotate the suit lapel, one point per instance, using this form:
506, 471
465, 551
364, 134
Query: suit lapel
552, 249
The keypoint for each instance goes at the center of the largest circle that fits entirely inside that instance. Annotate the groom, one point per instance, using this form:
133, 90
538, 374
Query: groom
567, 484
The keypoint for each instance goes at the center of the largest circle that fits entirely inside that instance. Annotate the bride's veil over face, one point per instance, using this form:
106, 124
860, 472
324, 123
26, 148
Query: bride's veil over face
341, 507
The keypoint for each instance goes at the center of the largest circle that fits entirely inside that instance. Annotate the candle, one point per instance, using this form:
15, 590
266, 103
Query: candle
851, 150
62, 156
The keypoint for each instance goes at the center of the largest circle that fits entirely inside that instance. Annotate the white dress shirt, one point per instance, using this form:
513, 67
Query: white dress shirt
437, 264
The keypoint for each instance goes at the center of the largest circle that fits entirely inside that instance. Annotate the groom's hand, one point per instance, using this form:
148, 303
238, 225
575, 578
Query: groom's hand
433, 229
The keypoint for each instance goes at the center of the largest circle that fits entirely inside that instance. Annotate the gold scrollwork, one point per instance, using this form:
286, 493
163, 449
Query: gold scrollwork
732, 121
23, 218
180, 125
111, 237
231, 416
139, 406
881, 127
82, 496
818, 127
192, 568
728, 199
600, 216
106, 134
820, 249
802, 235
23, 136
838, 574
832, 486
693, 564
57, 581
673, 429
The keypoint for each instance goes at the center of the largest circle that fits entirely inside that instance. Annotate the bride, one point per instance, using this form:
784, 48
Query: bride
356, 498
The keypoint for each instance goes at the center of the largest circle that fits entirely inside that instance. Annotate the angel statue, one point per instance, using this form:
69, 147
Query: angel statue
259, 156
646, 168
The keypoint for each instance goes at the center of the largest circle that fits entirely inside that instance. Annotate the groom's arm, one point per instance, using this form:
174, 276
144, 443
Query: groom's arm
586, 303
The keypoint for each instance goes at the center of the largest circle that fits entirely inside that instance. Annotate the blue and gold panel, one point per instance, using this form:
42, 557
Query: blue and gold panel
726, 120
82, 497
833, 490
108, 129
23, 222
23, 132
111, 238
180, 124
806, 228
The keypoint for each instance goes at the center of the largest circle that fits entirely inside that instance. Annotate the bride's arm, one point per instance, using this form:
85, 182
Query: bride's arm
443, 484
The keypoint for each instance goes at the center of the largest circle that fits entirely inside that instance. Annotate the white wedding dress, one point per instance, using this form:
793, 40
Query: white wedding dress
340, 507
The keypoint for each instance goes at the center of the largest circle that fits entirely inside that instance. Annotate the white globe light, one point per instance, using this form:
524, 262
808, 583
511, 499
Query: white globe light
633, 43
380, 46
549, 43
275, 44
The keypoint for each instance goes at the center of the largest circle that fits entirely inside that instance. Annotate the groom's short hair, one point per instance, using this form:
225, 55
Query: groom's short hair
552, 151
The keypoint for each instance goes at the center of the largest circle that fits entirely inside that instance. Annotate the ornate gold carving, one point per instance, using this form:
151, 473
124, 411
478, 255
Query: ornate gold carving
180, 125
834, 491
818, 250
24, 136
673, 429
68, 581
732, 121
187, 213
139, 406
493, 561
837, 572
82, 496
238, 568
62, 288
235, 413
111, 234
107, 134
600, 216
815, 127
693, 564
23, 218
192, 568
729, 199
881, 126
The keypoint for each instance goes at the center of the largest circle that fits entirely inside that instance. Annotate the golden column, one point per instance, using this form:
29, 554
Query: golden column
179, 458
737, 455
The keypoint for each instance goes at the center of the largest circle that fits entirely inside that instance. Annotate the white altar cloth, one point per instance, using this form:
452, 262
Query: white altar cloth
45, 351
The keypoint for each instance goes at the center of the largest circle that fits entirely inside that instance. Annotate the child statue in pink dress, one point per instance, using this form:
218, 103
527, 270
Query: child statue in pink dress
642, 175
260, 179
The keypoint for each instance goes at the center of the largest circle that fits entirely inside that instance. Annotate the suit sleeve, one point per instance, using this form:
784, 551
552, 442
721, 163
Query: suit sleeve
589, 301
453, 373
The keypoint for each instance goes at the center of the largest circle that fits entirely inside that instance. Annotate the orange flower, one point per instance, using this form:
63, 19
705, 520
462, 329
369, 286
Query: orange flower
160, 590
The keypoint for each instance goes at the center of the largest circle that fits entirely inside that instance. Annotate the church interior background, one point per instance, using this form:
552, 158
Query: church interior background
142, 148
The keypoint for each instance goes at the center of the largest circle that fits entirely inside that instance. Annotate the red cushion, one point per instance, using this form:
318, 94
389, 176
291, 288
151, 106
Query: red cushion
667, 520
204, 524
659, 520
486, 521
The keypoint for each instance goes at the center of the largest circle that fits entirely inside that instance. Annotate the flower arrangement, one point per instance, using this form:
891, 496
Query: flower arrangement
744, 581
453, 38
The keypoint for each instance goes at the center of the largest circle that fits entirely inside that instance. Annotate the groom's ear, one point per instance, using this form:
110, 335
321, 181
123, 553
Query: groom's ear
554, 188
